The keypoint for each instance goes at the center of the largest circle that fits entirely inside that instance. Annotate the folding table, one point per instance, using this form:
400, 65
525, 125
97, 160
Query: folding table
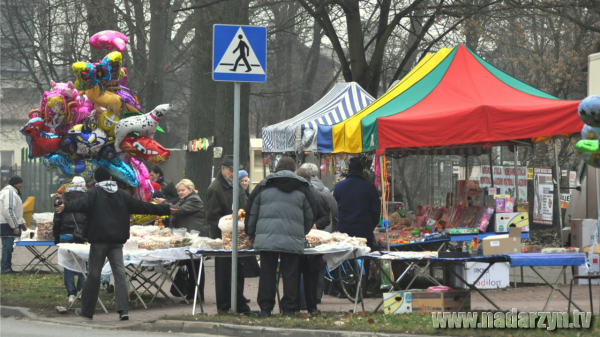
515, 260
43, 257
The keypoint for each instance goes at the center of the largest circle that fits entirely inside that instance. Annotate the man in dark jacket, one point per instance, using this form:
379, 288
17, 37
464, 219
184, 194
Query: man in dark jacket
219, 203
166, 187
108, 209
280, 213
359, 206
65, 225
311, 265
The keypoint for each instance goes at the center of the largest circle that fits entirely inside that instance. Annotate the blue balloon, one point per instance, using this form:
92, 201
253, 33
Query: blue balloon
70, 167
589, 110
119, 170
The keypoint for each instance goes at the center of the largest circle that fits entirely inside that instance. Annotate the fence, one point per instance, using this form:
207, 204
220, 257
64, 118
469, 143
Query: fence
38, 182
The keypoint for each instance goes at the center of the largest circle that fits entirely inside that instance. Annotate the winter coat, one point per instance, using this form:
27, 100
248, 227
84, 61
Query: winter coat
323, 218
190, 215
11, 208
333, 208
66, 223
280, 213
219, 203
168, 189
108, 210
358, 206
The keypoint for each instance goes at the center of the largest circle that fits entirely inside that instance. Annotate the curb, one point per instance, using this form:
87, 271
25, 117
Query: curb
222, 329
16, 312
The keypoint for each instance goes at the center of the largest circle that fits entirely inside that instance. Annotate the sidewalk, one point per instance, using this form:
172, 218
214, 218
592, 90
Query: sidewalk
525, 299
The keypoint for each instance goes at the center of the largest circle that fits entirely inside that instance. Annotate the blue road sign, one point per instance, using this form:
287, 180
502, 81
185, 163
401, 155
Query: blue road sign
239, 53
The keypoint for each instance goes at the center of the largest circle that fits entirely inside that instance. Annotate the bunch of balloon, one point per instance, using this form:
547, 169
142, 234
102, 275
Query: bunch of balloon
97, 121
587, 147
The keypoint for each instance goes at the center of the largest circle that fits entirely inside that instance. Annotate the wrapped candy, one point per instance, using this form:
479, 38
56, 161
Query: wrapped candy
145, 148
39, 138
70, 167
120, 170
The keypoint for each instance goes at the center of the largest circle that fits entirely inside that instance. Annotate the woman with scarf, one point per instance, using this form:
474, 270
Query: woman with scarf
65, 225
190, 215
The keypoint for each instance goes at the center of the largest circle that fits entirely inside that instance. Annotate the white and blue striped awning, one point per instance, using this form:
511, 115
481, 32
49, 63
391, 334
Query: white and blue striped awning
343, 101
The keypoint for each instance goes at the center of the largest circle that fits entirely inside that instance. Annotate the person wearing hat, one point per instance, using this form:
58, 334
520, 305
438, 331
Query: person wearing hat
358, 206
245, 181
219, 203
65, 225
107, 209
11, 220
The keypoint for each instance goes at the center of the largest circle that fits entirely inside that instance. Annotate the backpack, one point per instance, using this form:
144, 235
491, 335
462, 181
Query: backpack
181, 280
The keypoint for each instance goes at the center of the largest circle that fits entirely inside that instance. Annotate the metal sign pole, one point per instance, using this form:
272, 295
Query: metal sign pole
236, 192
558, 177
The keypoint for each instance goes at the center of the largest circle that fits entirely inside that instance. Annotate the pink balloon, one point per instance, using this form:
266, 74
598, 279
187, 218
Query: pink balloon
109, 39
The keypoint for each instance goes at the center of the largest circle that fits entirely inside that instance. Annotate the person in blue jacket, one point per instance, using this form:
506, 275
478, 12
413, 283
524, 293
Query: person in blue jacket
359, 206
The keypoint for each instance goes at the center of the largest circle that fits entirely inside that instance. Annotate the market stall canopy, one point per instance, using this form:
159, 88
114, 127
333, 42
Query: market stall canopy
343, 101
461, 100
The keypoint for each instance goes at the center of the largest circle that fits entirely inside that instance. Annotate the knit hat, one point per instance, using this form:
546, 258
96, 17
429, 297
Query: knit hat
355, 165
14, 180
156, 186
243, 174
101, 174
78, 180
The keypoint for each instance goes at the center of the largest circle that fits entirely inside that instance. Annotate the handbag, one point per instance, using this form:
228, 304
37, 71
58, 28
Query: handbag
181, 280
78, 232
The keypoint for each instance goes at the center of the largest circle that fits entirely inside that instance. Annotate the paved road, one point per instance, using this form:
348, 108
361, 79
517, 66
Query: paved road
25, 328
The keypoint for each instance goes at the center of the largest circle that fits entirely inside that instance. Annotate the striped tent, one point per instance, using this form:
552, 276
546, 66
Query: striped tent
300, 132
455, 97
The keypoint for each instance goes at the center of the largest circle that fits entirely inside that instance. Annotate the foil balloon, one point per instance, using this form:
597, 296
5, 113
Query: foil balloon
110, 40
120, 170
589, 111
35, 113
129, 97
110, 67
70, 167
590, 151
40, 139
67, 90
89, 141
54, 109
109, 100
144, 190
145, 148
108, 152
106, 121
590, 132
145, 124
86, 74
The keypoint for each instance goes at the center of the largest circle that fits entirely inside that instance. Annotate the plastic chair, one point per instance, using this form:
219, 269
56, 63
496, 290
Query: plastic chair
588, 277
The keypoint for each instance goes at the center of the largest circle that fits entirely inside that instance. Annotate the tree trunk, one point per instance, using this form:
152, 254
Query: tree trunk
211, 105
405, 187
100, 16
310, 69
159, 21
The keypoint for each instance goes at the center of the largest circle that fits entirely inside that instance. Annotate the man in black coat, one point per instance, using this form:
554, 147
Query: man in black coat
108, 209
219, 203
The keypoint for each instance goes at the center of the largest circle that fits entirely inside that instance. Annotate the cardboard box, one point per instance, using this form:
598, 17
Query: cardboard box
582, 270
582, 232
495, 278
440, 301
503, 244
398, 302
505, 220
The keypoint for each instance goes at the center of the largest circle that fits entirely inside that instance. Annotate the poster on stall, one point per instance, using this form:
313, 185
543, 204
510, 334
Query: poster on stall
543, 195
572, 177
564, 200
504, 178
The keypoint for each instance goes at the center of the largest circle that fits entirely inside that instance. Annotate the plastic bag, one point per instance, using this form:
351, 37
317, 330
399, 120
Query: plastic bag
318, 237
205, 243
179, 232
43, 217
45, 223
131, 244
226, 225
161, 243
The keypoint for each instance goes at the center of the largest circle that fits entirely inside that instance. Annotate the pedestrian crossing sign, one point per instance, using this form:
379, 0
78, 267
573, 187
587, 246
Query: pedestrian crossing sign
239, 53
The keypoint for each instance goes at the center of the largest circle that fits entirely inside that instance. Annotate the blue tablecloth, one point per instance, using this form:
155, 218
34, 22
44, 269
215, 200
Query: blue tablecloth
469, 237
34, 243
532, 260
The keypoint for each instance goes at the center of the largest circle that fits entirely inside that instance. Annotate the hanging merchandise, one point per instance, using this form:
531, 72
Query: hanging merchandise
377, 172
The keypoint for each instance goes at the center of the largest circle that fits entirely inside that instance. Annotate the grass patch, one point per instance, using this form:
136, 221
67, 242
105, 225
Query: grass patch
45, 291
408, 324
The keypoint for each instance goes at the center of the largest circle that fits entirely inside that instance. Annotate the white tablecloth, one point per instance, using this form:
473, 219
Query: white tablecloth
148, 257
333, 254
